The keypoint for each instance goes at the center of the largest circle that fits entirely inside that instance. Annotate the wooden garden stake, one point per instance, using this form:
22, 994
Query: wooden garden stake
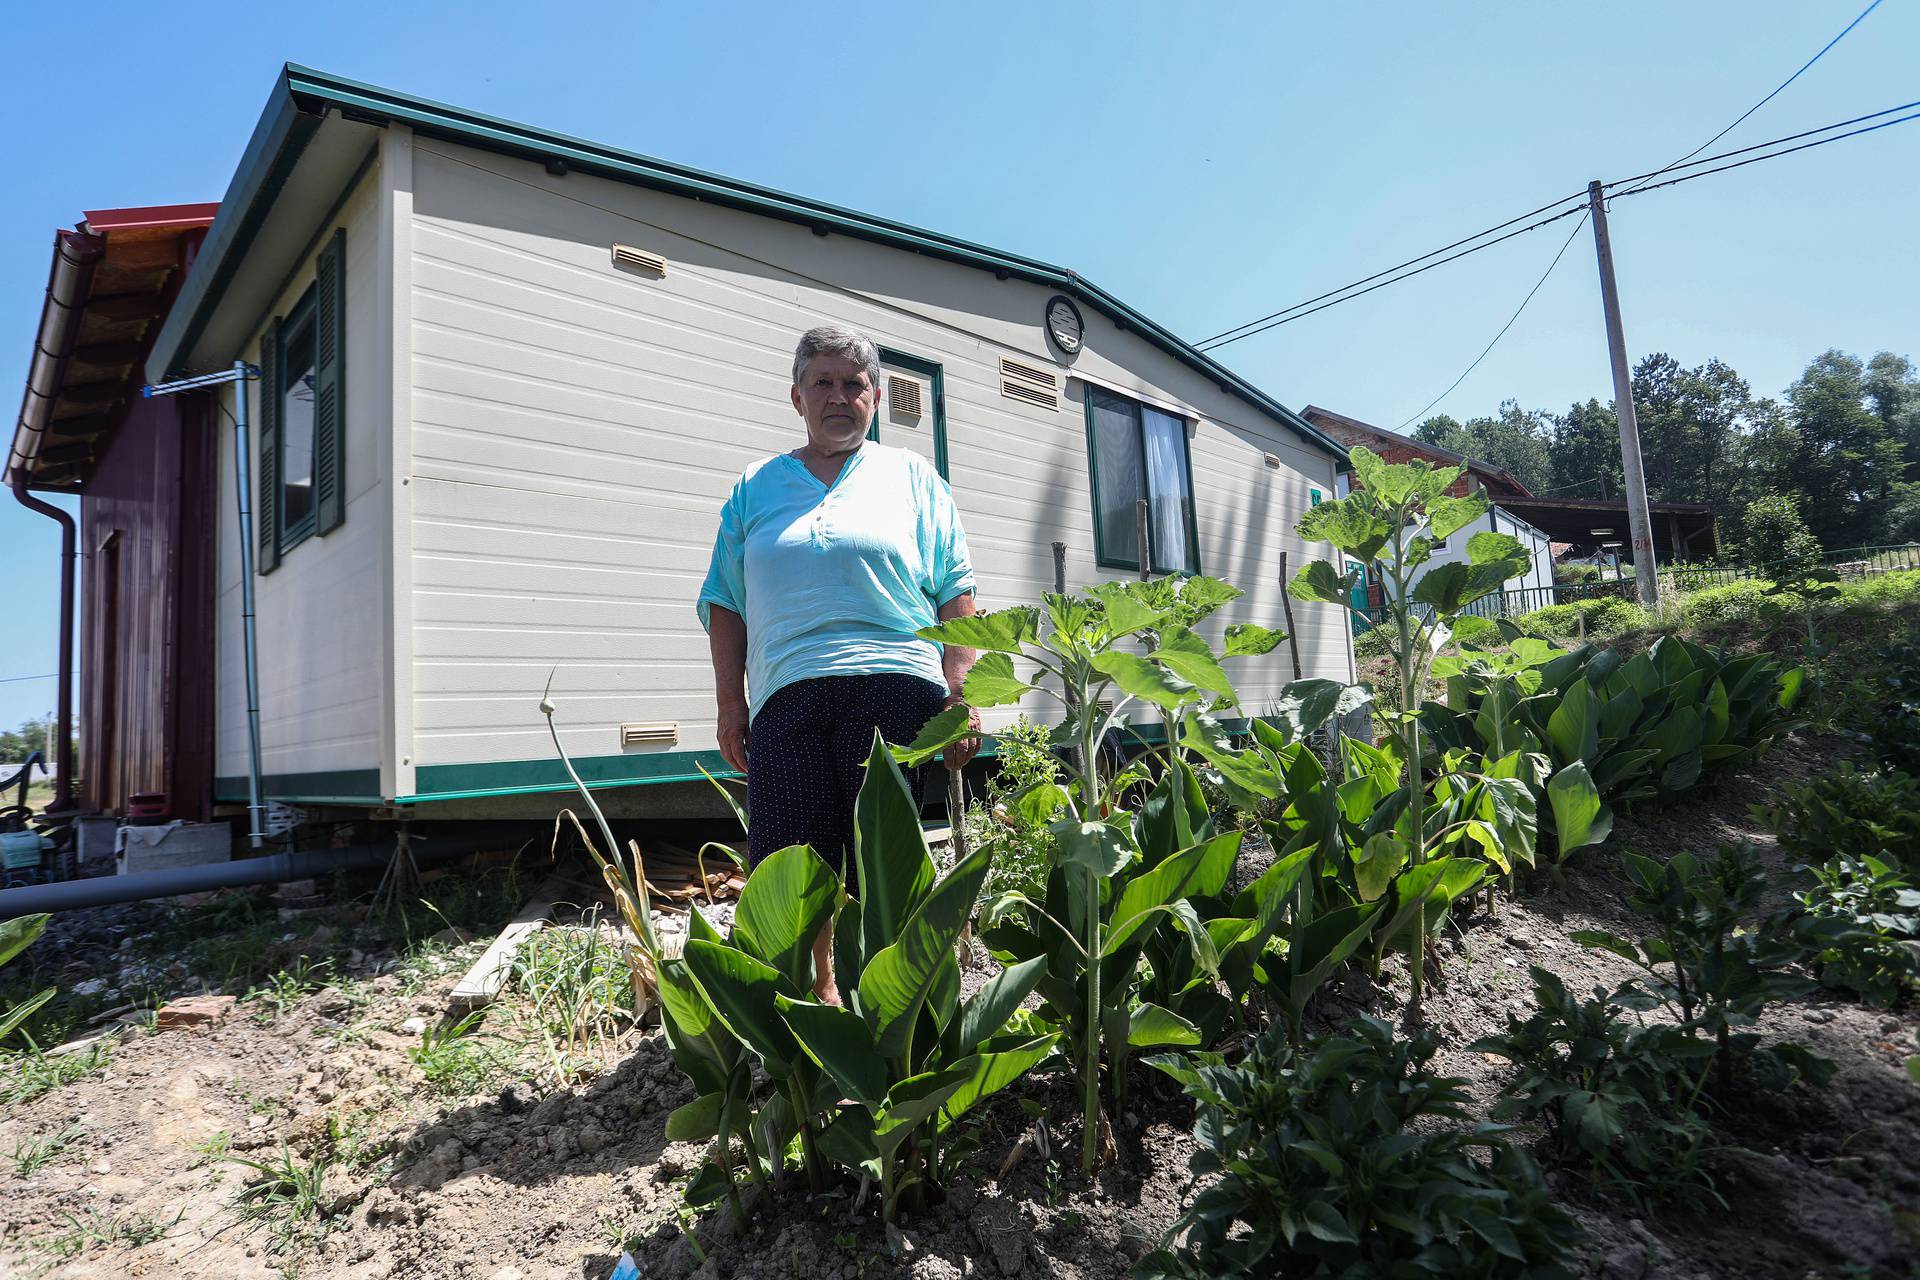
1286, 602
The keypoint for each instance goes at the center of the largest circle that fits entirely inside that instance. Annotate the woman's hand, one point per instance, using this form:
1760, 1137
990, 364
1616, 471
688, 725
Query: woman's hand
959, 753
732, 732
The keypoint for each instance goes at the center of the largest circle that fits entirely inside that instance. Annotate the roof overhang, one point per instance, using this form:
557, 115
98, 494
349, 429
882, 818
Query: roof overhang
111, 282
1314, 414
1587, 522
317, 129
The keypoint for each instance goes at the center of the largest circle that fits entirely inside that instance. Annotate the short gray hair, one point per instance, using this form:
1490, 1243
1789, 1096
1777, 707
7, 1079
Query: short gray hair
837, 340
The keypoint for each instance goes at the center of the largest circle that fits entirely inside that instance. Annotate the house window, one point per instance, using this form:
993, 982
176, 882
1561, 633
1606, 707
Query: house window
1138, 451
296, 385
302, 474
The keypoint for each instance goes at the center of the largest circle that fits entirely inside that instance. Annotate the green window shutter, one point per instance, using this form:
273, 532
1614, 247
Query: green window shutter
266, 511
329, 397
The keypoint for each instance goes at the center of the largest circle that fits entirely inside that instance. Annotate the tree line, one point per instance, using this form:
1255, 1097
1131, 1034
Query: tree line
1841, 448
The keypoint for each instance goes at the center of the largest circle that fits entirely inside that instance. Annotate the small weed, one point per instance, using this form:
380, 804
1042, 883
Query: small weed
94, 1229
284, 1195
26, 1075
455, 1060
211, 1150
29, 1154
354, 1141
285, 989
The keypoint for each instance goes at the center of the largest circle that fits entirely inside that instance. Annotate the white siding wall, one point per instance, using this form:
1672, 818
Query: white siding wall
575, 428
321, 614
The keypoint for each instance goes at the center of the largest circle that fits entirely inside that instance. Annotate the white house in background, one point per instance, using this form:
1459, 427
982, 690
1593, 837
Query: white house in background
509, 377
1533, 589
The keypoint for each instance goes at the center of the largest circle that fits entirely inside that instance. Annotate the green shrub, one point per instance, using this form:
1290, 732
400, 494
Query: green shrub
1894, 721
1901, 587
1565, 573
1023, 801
1710, 972
1605, 616
1353, 1157
1374, 642
1620, 1104
1737, 602
1859, 921
1848, 813
1773, 533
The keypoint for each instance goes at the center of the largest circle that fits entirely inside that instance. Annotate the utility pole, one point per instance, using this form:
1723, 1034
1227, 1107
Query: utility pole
1638, 521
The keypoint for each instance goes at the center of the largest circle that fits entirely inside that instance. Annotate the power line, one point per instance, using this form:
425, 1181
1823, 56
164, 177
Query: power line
18, 679
1281, 317
1394, 275
1503, 328
1217, 338
1772, 155
1861, 17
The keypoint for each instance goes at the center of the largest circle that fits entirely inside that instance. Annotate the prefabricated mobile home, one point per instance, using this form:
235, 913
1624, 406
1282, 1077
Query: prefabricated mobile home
507, 378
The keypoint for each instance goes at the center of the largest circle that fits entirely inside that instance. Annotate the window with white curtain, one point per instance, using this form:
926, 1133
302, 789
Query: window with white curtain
1138, 451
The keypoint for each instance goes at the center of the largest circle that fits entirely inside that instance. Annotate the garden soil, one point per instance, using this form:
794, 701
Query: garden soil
525, 1182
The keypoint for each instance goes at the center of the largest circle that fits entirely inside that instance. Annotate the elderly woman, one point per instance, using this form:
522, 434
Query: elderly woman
829, 557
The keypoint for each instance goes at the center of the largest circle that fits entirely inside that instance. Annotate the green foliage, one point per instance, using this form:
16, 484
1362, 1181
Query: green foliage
1621, 1104
1374, 642
1712, 974
1350, 1157
576, 993
1894, 722
29, 1073
1773, 533
457, 1059
30, 1154
1024, 798
1859, 921
1388, 524
871, 1086
286, 988
16, 935
1604, 616
1848, 813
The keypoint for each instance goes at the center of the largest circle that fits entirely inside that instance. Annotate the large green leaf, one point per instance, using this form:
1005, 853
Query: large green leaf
1100, 847
1126, 611
936, 735
17, 934
899, 977
1574, 725
698, 1120
1250, 640
992, 682
787, 901
1192, 659
1003, 630
1174, 815
1247, 775
985, 1074
701, 1045
987, 1012
840, 1042
890, 850
1376, 863
1327, 942
1142, 679
1579, 818
1151, 1027
1203, 595
848, 1140
1351, 524
1448, 516
1305, 706
914, 1100
741, 991
1201, 871
1320, 583
1488, 547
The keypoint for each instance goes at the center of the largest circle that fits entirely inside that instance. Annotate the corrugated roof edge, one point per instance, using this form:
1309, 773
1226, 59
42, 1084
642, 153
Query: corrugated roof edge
306, 92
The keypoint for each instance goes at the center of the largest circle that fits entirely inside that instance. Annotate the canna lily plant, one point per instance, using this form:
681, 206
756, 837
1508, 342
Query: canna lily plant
874, 1086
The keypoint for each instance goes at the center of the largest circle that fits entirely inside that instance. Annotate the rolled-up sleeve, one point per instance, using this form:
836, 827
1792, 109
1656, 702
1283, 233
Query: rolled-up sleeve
726, 583
943, 543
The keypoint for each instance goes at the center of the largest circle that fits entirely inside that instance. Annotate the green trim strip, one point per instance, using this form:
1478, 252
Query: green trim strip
336, 786
304, 95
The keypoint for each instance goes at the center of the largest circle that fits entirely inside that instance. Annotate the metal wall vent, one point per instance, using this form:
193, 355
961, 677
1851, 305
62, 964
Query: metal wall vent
1031, 383
903, 395
625, 255
650, 733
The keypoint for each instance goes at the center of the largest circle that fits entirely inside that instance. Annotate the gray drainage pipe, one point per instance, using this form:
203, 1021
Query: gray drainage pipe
299, 864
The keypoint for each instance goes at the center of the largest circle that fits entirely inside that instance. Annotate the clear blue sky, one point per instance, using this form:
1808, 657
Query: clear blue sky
1206, 162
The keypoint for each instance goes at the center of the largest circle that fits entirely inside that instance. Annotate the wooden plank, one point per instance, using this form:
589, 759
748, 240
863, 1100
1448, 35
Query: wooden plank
483, 981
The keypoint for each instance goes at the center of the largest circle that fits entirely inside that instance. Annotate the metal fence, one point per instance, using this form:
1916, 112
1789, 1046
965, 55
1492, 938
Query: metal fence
1848, 563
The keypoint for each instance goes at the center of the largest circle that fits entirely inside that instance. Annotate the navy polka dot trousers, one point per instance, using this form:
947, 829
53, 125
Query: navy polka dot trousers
807, 751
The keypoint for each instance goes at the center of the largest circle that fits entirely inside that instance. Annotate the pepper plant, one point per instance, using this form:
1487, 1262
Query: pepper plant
1390, 526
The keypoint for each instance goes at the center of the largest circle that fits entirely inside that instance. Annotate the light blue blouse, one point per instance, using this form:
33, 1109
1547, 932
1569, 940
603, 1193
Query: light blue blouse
835, 581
